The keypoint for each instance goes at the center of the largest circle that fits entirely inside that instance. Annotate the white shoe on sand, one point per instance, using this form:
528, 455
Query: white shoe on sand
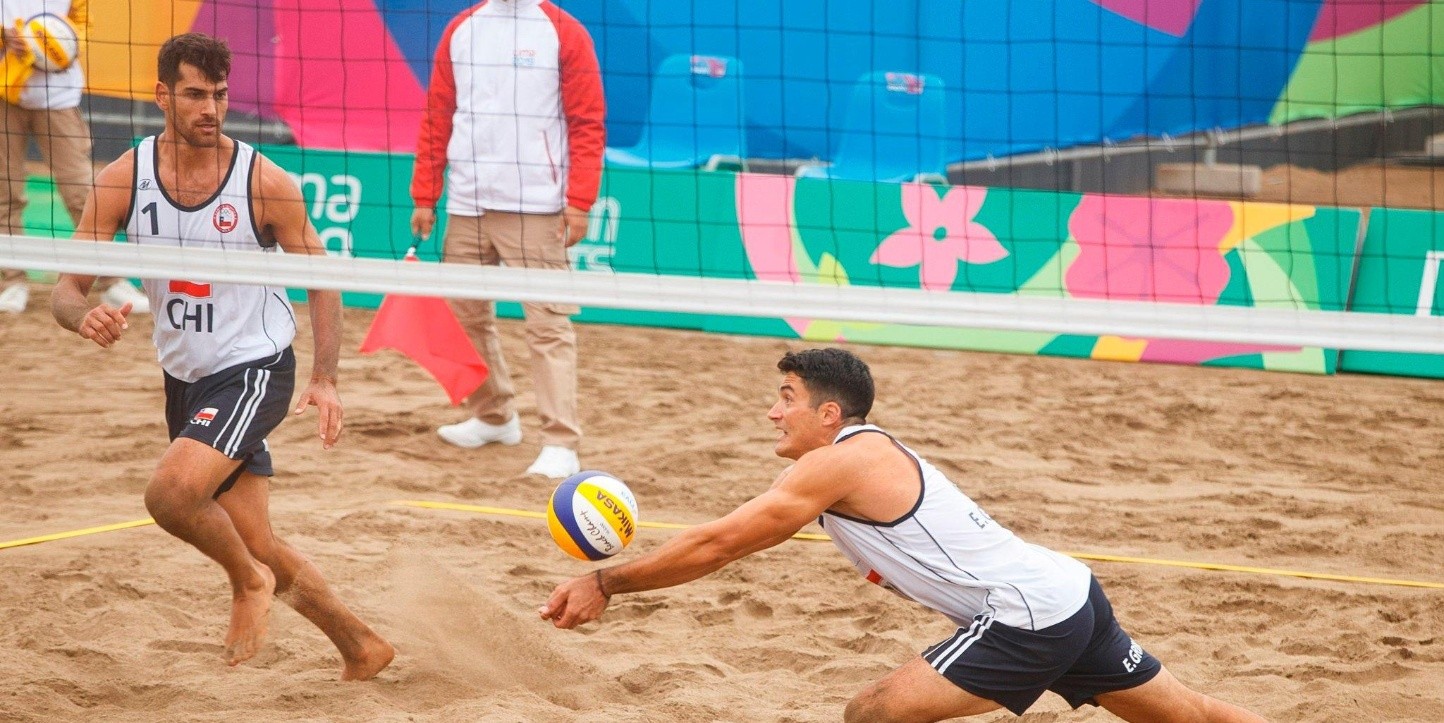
14, 298
474, 433
123, 292
555, 462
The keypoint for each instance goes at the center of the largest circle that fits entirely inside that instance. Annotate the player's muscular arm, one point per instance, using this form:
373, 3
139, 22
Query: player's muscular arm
104, 214
281, 214
801, 493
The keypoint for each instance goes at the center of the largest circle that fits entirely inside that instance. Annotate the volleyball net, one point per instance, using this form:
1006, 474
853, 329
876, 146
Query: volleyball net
1142, 181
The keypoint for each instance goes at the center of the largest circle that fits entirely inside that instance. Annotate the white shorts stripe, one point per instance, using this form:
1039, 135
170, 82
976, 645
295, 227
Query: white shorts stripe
944, 658
236, 410
263, 378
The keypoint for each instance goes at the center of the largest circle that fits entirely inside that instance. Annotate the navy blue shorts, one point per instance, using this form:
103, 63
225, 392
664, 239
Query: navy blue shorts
233, 410
1079, 658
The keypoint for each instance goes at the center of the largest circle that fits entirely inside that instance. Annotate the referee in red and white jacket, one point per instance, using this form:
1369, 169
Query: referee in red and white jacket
515, 121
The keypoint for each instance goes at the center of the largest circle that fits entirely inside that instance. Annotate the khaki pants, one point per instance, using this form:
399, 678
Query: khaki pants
524, 240
64, 142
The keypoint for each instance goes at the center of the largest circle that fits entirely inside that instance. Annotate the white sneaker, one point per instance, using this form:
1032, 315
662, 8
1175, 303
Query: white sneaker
123, 292
473, 433
555, 462
14, 298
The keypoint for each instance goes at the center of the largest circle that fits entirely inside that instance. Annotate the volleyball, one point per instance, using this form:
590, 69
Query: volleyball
592, 515
52, 40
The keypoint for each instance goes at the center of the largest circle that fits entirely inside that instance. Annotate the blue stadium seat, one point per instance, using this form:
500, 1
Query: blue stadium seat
895, 130
695, 118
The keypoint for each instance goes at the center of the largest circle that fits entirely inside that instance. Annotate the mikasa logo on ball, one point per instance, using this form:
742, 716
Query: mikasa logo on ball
592, 515
225, 218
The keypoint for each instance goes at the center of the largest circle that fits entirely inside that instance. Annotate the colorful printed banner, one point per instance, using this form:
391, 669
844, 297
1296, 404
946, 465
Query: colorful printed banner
991, 240
351, 74
942, 238
1365, 56
1399, 274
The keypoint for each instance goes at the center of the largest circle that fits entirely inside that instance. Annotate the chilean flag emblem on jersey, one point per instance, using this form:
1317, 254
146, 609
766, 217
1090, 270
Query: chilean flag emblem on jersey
191, 289
225, 218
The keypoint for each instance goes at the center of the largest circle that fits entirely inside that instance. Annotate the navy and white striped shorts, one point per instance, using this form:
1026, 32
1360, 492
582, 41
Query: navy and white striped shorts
1086, 655
233, 410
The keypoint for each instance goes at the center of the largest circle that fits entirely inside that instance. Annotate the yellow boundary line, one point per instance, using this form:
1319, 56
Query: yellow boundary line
799, 536
1079, 555
542, 516
76, 533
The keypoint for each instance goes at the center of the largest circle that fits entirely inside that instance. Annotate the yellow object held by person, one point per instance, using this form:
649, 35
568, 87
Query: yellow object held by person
16, 69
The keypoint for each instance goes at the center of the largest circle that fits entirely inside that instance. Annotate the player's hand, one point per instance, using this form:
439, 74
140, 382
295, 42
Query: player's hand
576, 601
574, 222
422, 221
13, 42
104, 324
322, 394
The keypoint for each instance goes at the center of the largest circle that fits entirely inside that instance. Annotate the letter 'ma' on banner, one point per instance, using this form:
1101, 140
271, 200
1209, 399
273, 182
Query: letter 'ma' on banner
1399, 274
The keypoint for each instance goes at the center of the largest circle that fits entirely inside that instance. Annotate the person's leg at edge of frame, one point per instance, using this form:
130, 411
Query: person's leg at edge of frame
179, 498
493, 418
299, 582
914, 693
14, 124
535, 241
65, 145
1164, 699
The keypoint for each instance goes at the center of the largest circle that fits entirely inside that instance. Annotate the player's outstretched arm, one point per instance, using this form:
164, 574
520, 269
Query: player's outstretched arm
800, 494
105, 212
281, 213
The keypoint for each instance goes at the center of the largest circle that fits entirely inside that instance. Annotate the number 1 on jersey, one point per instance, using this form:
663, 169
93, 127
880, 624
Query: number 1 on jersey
154, 223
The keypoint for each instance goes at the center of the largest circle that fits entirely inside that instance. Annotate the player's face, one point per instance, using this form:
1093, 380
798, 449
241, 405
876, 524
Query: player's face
196, 107
798, 423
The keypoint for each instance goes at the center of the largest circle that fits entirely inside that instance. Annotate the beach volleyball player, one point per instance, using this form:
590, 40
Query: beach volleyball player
1030, 620
225, 348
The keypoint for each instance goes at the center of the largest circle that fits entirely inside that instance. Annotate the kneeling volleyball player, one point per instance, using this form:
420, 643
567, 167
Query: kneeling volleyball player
1030, 620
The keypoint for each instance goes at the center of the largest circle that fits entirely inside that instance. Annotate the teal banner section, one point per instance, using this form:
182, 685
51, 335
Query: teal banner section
919, 236
360, 204
1399, 274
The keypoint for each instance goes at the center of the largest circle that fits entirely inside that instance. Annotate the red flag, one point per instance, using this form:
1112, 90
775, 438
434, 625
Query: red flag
425, 329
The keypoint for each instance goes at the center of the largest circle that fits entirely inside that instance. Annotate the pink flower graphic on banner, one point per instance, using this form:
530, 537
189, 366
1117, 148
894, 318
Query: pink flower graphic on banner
940, 233
1149, 249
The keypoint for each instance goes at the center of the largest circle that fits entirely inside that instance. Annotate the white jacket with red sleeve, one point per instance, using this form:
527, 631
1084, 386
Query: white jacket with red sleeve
515, 114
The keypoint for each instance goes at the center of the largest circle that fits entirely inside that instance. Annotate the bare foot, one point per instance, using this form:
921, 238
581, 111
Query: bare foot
250, 611
375, 654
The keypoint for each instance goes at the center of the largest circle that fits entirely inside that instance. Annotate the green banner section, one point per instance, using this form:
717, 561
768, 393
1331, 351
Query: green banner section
45, 215
1399, 274
1398, 63
359, 202
839, 233
904, 236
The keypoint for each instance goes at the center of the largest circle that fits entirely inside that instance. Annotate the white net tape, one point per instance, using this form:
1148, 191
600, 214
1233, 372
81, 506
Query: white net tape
1284, 327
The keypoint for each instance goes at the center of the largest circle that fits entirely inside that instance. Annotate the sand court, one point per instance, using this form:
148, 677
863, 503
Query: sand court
1335, 476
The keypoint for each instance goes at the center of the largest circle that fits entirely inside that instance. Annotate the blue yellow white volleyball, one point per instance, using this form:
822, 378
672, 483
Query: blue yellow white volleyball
52, 40
592, 515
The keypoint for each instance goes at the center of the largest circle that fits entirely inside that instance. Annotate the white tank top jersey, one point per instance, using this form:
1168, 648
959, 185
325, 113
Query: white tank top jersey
203, 327
949, 555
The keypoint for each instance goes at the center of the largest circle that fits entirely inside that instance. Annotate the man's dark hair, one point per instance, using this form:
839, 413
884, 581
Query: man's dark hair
211, 55
833, 375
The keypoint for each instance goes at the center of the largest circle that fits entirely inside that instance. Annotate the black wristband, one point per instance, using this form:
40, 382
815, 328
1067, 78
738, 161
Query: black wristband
600, 588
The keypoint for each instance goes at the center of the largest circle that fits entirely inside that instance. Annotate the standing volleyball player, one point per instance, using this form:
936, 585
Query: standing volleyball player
225, 348
1031, 620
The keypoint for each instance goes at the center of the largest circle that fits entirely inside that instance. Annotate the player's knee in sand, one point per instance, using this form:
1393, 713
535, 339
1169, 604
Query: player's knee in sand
172, 498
